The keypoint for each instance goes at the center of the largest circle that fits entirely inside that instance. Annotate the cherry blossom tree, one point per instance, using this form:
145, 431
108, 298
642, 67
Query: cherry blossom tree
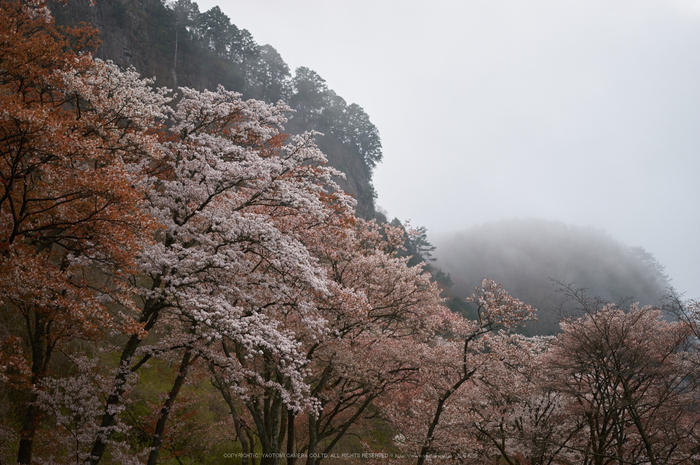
375, 310
70, 225
512, 411
379, 312
72, 404
429, 414
633, 386
228, 262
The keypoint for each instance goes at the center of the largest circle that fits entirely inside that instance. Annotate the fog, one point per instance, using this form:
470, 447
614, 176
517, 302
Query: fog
534, 259
581, 111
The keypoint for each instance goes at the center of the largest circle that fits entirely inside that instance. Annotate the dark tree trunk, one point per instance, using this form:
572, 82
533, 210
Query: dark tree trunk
149, 316
291, 460
466, 374
313, 440
167, 405
41, 353
31, 421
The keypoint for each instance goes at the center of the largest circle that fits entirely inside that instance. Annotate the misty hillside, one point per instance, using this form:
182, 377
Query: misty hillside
183, 46
527, 255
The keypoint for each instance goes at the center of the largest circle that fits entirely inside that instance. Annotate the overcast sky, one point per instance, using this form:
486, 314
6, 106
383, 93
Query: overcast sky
585, 111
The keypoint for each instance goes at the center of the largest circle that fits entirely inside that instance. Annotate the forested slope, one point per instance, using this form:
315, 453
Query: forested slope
181, 46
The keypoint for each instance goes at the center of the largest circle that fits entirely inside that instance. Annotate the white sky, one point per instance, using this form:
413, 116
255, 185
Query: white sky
585, 111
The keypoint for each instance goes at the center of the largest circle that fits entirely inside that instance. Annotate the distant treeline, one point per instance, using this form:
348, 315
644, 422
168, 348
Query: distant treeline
182, 46
530, 256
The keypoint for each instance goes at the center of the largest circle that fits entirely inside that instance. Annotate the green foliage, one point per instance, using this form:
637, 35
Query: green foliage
420, 250
267, 75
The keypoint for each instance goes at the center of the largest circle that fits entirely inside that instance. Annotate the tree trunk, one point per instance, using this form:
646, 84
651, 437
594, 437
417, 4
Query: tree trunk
110, 416
264, 435
149, 316
40, 358
31, 421
251, 441
339, 435
291, 459
313, 440
466, 374
240, 434
167, 405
